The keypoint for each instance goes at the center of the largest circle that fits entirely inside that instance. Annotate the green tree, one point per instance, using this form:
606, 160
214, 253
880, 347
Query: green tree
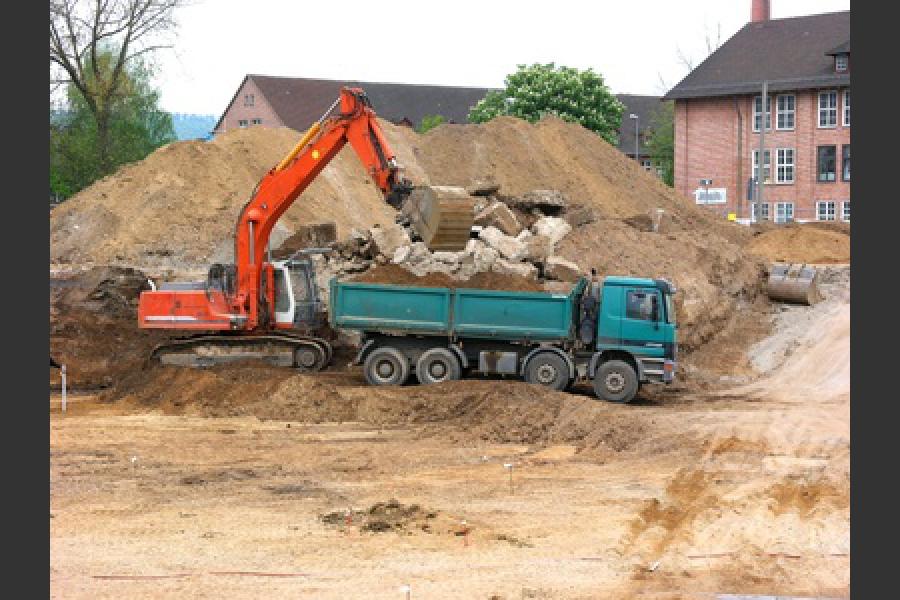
572, 95
135, 127
430, 122
661, 141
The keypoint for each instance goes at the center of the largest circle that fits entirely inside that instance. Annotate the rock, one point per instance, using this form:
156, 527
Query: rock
400, 255
388, 238
498, 215
524, 235
508, 247
448, 257
359, 235
561, 269
506, 267
547, 201
576, 217
483, 188
484, 257
552, 227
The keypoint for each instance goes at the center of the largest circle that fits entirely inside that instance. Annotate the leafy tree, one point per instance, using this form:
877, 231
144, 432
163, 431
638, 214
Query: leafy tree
93, 44
661, 141
430, 122
572, 95
136, 126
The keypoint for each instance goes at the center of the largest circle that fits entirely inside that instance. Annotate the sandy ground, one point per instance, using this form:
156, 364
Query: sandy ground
736, 491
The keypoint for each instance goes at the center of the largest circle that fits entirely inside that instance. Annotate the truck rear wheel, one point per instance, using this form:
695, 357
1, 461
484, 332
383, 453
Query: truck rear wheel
438, 365
616, 381
386, 366
547, 369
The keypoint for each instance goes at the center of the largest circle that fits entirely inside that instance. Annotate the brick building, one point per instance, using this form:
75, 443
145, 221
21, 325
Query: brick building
804, 64
297, 102
645, 109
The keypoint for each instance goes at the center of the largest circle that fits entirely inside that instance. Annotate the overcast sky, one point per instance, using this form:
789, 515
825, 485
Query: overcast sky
458, 42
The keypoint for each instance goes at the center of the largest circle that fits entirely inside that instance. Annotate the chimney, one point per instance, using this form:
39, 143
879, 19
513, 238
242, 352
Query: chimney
760, 11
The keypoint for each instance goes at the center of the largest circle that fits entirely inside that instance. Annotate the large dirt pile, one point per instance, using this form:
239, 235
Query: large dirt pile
802, 243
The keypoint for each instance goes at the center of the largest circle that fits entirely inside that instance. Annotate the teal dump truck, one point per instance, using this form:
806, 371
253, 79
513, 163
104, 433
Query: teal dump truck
618, 333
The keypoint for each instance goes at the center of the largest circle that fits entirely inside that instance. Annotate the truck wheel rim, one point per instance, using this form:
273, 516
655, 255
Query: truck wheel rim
384, 369
546, 374
437, 370
615, 382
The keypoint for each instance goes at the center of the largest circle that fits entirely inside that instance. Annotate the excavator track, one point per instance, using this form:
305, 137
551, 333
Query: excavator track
306, 353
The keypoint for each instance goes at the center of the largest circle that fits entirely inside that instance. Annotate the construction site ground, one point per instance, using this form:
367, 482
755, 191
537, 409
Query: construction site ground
691, 492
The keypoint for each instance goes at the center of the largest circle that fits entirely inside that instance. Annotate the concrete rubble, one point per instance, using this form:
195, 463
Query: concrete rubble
498, 215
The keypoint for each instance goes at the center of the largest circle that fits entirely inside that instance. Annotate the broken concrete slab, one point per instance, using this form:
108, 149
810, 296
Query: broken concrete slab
507, 267
538, 248
508, 246
483, 188
551, 202
498, 215
388, 238
552, 227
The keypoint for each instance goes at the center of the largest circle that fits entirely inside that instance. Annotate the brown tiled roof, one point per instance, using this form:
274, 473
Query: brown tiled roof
298, 102
789, 53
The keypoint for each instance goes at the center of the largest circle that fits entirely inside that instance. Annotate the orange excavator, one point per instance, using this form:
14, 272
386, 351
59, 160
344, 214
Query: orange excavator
256, 308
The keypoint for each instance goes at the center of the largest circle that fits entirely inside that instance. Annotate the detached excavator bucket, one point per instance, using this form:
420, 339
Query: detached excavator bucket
441, 215
793, 283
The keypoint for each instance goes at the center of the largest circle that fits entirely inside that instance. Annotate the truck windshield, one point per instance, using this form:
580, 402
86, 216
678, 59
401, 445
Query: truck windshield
670, 309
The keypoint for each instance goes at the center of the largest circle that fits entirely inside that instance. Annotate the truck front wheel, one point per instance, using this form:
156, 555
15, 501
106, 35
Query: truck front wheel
386, 366
547, 369
438, 365
615, 381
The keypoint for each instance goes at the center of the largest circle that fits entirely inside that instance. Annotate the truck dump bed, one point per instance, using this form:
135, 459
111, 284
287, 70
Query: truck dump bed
463, 312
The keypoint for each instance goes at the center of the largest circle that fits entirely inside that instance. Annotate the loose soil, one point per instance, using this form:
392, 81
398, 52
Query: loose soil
481, 281
802, 243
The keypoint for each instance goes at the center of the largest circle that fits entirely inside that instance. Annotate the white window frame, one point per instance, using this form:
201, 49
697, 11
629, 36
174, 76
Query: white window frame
701, 196
828, 111
826, 210
844, 161
767, 165
256, 121
784, 212
756, 212
782, 165
837, 63
757, 106
779, 112
845, 211
242, 123
647, 164
846, 111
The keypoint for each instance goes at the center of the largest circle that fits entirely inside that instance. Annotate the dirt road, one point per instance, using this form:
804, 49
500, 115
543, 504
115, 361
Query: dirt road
744, 490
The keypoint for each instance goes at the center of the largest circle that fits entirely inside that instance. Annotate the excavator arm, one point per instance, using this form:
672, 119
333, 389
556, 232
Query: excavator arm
356, 123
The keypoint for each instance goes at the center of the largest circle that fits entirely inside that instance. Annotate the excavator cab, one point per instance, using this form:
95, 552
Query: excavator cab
298, 304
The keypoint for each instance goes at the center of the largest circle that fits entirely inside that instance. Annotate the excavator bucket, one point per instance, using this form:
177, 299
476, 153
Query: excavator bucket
793, 283
441, 215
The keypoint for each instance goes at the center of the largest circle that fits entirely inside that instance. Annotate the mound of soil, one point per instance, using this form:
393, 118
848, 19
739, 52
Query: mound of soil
802, 243
481, 281
387, 516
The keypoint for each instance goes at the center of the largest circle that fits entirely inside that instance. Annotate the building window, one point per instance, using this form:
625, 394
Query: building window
841, 62
828, 109
845, 162
784, 212
645, 162
785, 106
760, 211
825, 211
242, 123
846, 108
845, 211
767, 166
784, 165
256, 122
825, 161
757, 110
710, 196
248, 100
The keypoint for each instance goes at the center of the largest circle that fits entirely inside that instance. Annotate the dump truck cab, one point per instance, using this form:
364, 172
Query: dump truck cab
635, 324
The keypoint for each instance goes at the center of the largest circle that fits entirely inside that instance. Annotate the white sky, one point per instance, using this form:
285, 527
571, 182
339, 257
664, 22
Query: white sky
455, 42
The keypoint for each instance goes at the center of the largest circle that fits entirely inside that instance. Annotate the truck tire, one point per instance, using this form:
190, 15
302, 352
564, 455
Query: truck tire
548, 369
386, 366
616, 381
438, 365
